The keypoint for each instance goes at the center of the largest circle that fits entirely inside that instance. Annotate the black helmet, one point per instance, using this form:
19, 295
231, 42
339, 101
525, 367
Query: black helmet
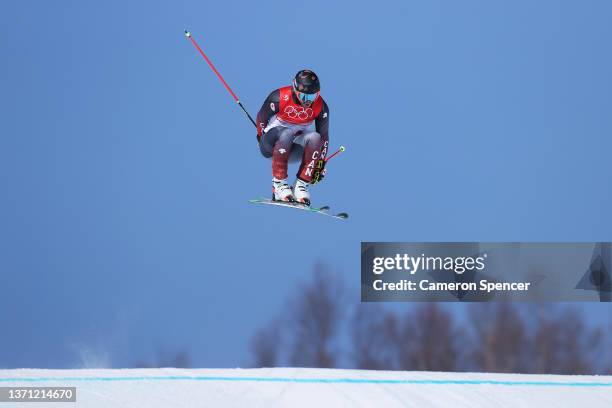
306, 82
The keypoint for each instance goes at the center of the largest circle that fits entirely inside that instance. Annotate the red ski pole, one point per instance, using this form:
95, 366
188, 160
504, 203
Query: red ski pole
188, 35
340, 150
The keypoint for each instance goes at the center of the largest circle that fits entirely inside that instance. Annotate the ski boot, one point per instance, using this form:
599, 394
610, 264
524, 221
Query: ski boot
281, 191
301, 194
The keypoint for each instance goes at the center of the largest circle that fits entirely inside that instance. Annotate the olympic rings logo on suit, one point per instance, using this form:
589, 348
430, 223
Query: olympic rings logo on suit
299, 112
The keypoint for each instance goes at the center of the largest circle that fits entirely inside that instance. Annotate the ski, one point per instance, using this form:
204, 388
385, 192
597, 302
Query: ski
319, 210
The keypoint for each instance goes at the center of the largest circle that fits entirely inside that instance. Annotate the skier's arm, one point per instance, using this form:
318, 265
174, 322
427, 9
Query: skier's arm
322, 127
268, 109
322, 123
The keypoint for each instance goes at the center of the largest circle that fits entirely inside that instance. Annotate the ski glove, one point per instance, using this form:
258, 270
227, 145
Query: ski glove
319, 172
259, 136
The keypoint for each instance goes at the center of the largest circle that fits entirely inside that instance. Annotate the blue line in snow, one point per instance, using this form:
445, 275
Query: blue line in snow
313, 381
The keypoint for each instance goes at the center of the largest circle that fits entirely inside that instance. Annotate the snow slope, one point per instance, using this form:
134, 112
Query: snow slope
302, 387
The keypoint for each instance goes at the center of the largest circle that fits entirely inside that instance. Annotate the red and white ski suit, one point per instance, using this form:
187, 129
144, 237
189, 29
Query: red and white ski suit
283, 132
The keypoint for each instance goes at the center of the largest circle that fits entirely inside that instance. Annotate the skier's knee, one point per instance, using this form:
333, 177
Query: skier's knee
313, 137
285, 138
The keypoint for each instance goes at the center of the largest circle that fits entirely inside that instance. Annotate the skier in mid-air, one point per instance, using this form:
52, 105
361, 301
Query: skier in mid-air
283, 134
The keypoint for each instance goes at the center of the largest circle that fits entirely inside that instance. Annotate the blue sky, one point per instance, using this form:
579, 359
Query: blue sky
126, 167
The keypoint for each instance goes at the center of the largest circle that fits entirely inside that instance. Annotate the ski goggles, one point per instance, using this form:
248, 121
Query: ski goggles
304, 97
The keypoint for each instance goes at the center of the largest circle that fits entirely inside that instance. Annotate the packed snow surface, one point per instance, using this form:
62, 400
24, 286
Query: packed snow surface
304, 387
